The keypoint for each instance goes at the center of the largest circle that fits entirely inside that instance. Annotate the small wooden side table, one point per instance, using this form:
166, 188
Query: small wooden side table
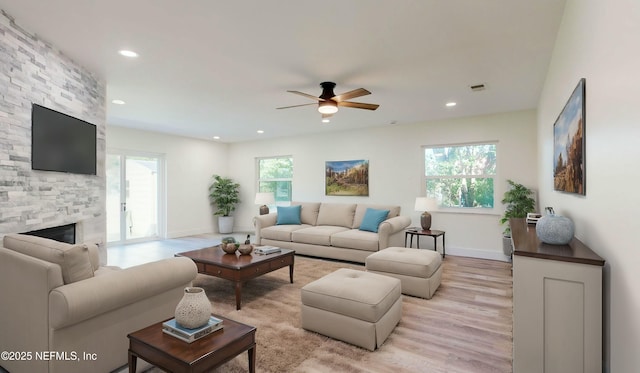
176, 356
409, 233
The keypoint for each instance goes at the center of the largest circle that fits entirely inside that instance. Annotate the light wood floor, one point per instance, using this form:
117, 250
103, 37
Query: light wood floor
469, 328
471, 325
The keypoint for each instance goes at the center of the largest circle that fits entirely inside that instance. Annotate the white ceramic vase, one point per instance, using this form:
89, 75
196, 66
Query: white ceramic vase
194, 309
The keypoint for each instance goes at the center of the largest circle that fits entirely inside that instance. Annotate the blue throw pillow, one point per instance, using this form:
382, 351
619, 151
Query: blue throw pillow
372, 219
288, 215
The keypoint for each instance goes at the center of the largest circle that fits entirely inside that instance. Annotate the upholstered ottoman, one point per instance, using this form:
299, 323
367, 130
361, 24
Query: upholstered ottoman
357, 307
419, 271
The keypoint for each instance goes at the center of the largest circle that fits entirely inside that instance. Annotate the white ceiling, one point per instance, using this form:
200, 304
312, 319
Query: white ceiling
220, 68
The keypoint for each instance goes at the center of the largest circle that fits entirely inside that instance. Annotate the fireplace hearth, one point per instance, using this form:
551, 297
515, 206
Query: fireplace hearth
63, 233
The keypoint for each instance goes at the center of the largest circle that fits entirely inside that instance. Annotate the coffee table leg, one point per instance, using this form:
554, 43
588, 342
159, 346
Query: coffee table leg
252, 359
238, 294
132, 362
291, 273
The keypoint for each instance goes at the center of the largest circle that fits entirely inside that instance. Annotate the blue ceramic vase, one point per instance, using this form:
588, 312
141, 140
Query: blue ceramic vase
555, 229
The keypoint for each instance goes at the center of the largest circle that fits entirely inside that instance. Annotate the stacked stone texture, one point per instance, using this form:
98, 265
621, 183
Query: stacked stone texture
32, 71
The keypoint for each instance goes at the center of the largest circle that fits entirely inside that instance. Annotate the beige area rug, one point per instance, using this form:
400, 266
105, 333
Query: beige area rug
465, 327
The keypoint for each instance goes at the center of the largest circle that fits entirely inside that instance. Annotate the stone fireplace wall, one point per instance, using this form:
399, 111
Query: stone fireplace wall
32, 71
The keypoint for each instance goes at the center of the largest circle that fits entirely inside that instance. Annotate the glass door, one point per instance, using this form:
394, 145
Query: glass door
134, 193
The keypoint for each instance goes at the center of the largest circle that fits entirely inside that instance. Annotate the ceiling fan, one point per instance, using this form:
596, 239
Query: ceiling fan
328, 101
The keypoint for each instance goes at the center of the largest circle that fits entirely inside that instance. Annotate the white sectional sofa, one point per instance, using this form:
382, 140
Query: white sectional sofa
333, 230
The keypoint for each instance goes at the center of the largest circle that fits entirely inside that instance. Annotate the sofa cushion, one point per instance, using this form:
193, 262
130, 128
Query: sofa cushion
320, 235
73, 260
356, 239
339, 214
309, 212
372, 219
94, 256
361, 209
280, 232
288, 215
405, 261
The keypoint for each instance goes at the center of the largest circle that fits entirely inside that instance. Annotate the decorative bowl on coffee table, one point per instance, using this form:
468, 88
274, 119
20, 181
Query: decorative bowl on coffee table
229, 248
245, 249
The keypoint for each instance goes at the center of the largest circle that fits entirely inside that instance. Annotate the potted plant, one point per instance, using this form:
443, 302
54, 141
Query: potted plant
519, 202
224, 194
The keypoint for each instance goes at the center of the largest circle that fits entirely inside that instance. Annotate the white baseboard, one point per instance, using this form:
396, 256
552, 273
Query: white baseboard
191, 232
477, 253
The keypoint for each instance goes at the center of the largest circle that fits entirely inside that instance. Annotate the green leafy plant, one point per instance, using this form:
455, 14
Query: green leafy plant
225, 194
519, 202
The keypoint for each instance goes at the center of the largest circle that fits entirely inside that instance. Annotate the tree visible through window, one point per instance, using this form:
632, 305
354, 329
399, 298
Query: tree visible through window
461, 175
275, 175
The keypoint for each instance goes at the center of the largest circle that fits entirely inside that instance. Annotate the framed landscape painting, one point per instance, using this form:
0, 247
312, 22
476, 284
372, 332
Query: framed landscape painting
569, 144
347, 178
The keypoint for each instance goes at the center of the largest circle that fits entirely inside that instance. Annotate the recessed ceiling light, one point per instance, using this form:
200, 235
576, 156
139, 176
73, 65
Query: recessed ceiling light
216, 137
128, 53
451, 104
118, 102
260, 131
325, 120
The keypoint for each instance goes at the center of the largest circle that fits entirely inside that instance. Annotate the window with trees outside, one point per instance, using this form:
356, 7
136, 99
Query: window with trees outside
461, 175
275, 175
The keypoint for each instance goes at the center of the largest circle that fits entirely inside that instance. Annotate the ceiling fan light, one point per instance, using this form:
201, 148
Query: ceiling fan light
328, 107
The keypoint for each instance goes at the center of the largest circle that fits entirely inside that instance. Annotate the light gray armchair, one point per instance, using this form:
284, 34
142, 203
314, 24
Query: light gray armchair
54, 297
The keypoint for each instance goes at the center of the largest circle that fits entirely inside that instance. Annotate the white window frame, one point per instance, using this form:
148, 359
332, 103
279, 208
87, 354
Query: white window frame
457, 209
259, 180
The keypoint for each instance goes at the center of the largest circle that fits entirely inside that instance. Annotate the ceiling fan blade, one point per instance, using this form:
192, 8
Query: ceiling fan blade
307, 95
358, 105
287, 107
351, 94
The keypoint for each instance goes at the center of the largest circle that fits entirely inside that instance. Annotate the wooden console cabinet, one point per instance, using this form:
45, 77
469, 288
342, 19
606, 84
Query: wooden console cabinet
557, 305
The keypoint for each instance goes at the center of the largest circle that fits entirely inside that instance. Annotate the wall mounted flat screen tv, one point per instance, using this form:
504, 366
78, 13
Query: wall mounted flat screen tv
62, 143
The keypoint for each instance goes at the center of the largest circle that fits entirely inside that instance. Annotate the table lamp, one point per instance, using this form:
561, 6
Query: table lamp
264, 199
424, 204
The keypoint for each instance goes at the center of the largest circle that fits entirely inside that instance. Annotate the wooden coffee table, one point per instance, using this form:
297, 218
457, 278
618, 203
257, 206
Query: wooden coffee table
239, 268
174, 355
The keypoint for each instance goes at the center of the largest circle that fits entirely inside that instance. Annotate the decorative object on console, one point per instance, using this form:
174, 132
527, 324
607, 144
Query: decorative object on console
194, 309
569, 144
424, 204
554, 229
265, 199
347, 178
533, 217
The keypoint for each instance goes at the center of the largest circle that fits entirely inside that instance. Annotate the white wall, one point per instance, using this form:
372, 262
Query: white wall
598, 40
190, 163
395, 168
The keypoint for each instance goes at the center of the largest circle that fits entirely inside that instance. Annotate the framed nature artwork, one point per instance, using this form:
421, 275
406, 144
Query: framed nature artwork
569, 144
347, 178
